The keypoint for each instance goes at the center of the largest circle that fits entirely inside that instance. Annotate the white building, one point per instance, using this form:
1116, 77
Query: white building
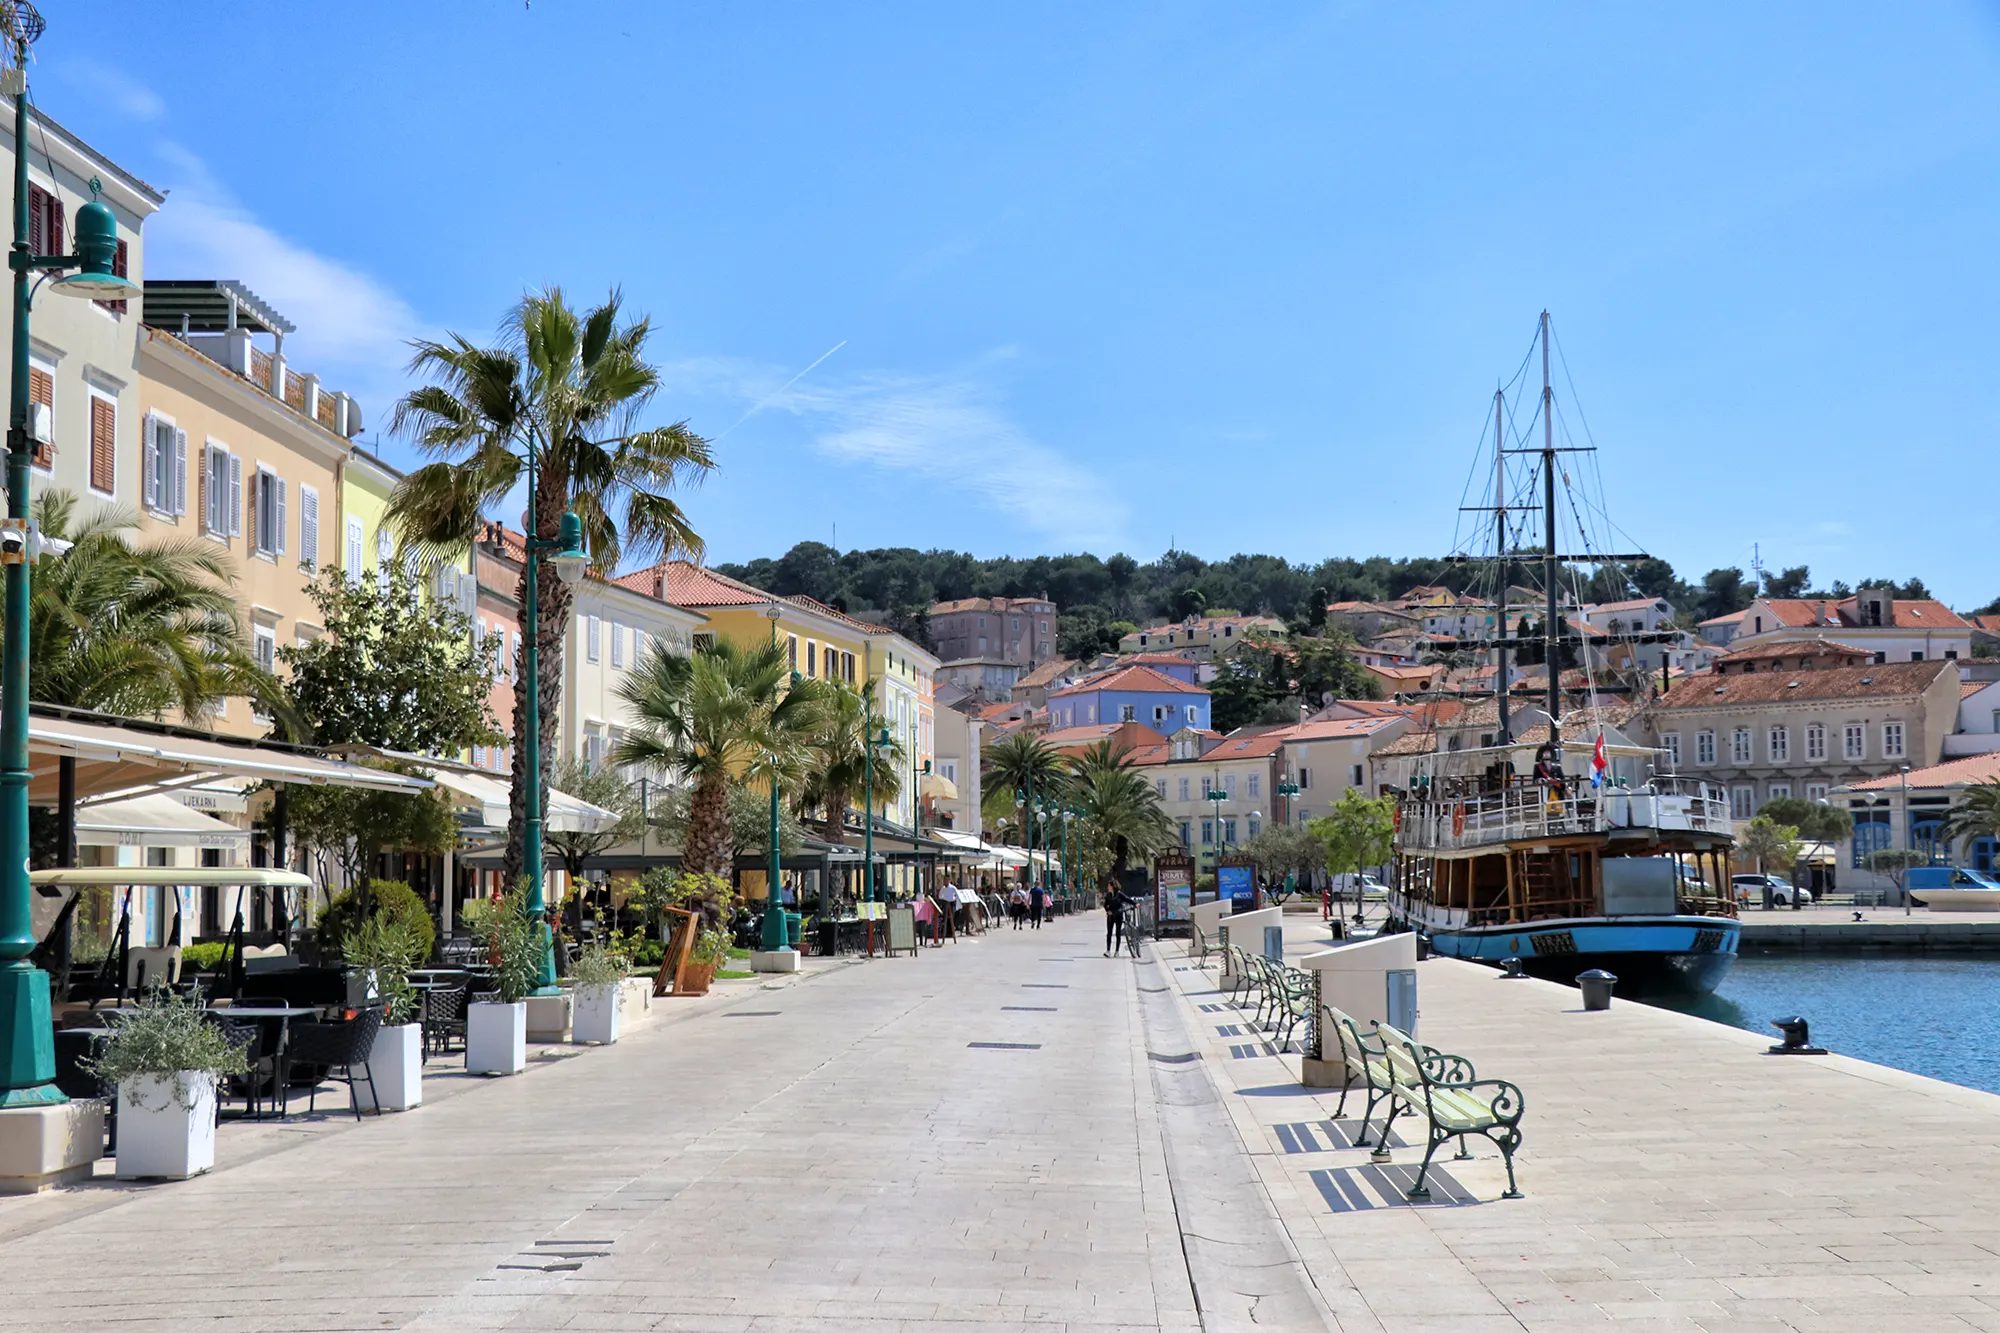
1328, 757
1894, 629
612, 628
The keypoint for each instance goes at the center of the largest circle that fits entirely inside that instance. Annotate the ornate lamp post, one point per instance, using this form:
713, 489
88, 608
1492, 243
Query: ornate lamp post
27, 1043
570, 559
1216, 796
875, 743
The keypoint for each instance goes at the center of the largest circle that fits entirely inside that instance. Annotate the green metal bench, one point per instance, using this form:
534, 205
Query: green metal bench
1453, 1102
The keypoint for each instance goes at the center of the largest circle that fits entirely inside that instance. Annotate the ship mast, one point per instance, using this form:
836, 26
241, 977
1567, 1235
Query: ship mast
1551, 654
1500, 550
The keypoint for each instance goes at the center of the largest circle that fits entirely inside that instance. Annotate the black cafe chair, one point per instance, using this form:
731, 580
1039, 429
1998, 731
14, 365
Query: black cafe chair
335, 1053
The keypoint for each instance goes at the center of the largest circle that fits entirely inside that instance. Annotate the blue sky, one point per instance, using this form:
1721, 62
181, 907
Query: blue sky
1118, 275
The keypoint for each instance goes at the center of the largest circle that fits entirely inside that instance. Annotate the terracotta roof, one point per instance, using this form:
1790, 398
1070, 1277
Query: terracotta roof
1064, 737
1729, 619
1137, 680
1635, 604
1792, 648
1335, 728
1405, 672
987, 604
1882, 680
1968, 688
685, 583
1957, 773
1989, 623
1411, 742
1154, 659
1245, 747
1798, 612
1046, 672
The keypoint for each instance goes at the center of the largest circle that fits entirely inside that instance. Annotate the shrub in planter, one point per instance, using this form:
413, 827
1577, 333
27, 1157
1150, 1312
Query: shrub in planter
167, 1058
351, 908
496, 1034
597, 973
388, 948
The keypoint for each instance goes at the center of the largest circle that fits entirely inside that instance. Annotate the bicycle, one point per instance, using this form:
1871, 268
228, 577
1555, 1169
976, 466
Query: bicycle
1129, 924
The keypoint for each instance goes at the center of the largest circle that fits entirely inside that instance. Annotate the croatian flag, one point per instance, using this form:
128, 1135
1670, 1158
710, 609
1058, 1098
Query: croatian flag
1597, 764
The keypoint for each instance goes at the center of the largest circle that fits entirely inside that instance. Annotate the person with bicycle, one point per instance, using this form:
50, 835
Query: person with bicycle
1116, 901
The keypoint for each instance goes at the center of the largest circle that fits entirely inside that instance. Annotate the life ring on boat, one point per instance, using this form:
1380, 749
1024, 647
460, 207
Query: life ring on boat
1458, 819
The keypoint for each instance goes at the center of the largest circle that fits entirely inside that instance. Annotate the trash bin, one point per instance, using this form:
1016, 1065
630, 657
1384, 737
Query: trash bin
1274, 943
829, 939
793, 923
1596, 986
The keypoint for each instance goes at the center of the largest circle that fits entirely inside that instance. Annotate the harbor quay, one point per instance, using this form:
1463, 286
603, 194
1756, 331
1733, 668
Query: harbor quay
1848, 929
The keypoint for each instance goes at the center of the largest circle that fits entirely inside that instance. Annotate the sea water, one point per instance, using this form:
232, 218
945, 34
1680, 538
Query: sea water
1928, 1014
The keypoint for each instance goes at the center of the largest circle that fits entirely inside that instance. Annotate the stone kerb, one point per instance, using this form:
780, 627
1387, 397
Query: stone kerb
1354, 979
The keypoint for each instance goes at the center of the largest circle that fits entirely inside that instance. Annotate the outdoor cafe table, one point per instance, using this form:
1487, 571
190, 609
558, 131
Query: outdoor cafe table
268, 1017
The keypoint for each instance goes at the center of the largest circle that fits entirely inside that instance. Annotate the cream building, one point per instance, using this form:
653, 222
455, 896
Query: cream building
83, 355
1189, 767
1328, 757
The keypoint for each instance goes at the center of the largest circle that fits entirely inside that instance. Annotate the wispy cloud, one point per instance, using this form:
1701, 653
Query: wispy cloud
951, 429
113, 87
353, 330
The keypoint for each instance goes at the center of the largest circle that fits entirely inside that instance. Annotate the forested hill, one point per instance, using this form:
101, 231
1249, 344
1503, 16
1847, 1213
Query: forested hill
1099, 598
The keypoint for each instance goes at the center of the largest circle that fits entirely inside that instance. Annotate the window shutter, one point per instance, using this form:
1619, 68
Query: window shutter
149, 464
204, 495
308, 527
233, 503
354, 548
103, 444
42, 389
180, 471
279, 544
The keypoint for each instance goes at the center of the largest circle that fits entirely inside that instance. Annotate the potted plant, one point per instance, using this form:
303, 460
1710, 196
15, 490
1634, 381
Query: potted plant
597, 974
496, 1030
167, 1058
386, 949
710, 948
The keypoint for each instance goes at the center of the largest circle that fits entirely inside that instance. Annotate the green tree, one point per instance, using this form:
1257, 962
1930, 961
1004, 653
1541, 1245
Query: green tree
349, 826
719, 714
136, 630
1358, 832
1238, 695
565, 388
395, 669
1120, 804
748, 832
606, 788
1286, 849
1009, 763
1723, 592
1976, 814
1815, 820
1896, 863
1769, 845
840, 771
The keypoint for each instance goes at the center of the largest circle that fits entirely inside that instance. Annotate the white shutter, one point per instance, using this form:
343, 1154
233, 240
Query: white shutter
468, 594
617, 644
180, 472
514, 657
308, 527
590, 638
354, 548
233, 502
149, 467
279, 547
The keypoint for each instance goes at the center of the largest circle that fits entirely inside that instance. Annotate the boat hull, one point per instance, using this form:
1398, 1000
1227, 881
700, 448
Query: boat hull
1957, 900
1683, 955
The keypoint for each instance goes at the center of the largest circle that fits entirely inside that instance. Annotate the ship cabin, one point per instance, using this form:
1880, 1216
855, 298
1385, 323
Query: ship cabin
1502, 834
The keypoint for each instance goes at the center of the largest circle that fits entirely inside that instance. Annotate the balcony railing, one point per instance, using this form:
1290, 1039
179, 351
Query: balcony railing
1525, 811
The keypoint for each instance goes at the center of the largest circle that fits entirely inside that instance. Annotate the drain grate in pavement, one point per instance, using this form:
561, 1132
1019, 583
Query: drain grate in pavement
1358, 1188
1184, 1058
1059, 960
1152, 990
1045, 985
1027, 1008
1005, 1045
753, 1013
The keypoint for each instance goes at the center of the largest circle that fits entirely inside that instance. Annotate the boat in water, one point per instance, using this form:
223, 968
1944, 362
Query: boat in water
1533, 829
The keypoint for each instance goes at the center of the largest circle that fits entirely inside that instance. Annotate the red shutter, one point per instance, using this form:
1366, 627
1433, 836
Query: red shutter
42, 389
103, 445
45, 222
117, 268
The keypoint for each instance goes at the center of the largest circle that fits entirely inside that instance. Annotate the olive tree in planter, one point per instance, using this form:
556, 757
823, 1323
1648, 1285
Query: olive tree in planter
597, 974
167, 1058
386, 949
496, 1030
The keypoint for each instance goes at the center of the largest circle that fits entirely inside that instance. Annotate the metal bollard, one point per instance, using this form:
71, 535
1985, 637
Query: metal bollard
1798, 1041
1510, 970
1596, 986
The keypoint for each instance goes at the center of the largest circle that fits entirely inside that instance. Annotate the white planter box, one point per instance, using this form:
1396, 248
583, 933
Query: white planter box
595, 1018
496, 1038
396, 1066
360, 988
158, 1138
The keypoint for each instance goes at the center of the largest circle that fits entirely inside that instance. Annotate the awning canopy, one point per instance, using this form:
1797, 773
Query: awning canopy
938, 787
191, 877
155, 820
119, 758
489, 798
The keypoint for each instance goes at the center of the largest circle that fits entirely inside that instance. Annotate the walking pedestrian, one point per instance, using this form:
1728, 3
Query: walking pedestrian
1038, 903
1115, 901
1017, 905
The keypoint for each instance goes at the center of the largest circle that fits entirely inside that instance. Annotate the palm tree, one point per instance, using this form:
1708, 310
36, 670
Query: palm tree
1120, 802
840, 769
564, 389
1976, 814
718, 715
1016, 763
137, 631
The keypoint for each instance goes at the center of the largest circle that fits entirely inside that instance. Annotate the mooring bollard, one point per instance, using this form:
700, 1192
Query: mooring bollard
1596, 986
1510, 970
1798, 1041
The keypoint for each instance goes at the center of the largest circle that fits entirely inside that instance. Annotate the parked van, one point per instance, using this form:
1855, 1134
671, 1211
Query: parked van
1951, 889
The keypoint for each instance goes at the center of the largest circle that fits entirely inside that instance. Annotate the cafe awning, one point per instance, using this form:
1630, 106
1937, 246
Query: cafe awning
488, 796
125, 758
154, 820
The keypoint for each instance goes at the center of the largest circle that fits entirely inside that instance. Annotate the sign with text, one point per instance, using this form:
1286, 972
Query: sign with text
1237, 883
1173, 880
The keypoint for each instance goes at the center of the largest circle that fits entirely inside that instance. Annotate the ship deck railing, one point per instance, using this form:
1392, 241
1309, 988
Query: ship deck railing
1525, 812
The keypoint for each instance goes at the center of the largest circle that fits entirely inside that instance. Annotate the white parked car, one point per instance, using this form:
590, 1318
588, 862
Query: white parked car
1750, 888
1366, 885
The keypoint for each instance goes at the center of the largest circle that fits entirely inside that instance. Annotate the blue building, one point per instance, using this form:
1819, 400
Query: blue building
1131, 694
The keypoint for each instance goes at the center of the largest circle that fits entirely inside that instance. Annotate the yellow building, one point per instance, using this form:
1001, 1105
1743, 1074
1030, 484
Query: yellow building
366, 483
238, 449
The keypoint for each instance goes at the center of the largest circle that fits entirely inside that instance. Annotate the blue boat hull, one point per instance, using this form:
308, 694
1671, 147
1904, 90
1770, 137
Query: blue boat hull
1686, 955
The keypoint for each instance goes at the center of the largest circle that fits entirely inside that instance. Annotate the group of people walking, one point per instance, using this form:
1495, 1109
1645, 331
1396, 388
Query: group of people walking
1028, 906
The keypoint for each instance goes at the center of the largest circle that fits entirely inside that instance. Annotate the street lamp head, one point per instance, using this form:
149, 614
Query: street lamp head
772, 612
570, 558
97, 248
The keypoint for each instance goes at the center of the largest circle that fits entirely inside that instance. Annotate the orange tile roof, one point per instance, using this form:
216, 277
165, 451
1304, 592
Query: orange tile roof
1989, 623
1729, 619
1138, 680
1091, 733
1334, 728
1633, 604
1879, 681
1247, 747
1046, 672
1955, 773
1792, 648
1968, 688
1798, 612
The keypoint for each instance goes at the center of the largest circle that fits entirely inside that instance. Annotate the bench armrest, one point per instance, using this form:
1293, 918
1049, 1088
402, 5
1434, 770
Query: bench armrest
1503, 1100
1447, 1070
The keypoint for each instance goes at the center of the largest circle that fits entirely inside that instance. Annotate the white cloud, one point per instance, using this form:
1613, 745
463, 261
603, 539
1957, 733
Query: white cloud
114, 87
352, 330
947, 429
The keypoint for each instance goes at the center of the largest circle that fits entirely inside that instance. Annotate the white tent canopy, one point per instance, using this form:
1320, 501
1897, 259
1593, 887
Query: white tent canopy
489, 797
154, 820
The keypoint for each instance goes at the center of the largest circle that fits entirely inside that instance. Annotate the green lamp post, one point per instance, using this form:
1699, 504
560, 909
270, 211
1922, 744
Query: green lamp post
566, 553
1216, 796
773, 936
1288, 789
875, 743
27, 1042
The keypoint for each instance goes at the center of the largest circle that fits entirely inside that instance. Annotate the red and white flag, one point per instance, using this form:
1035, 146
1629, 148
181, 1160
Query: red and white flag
1597, 762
